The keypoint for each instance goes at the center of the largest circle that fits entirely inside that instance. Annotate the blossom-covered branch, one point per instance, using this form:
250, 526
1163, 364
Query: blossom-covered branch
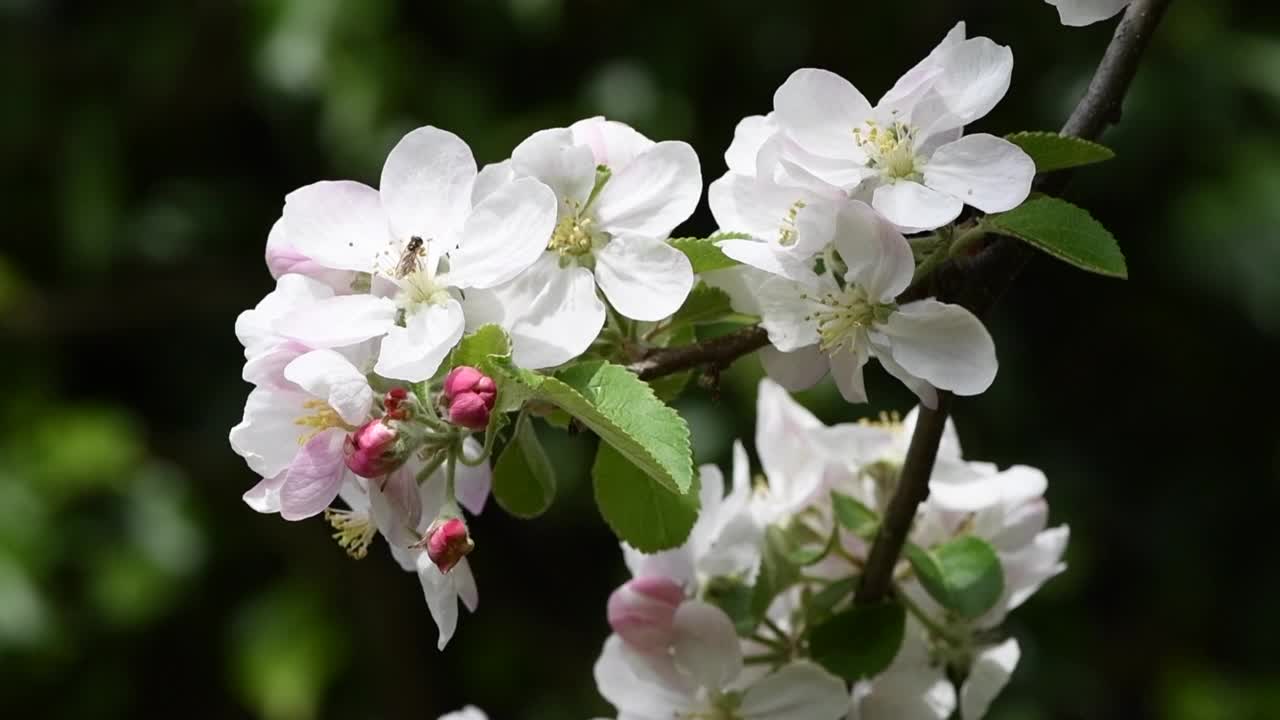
986, 278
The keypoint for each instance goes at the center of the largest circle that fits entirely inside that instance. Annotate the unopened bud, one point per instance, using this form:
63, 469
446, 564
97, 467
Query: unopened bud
469, 396
642, 612
395, 403
371, 451
448, 541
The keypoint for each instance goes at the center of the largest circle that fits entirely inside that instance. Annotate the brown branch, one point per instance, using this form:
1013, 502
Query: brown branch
717, 352
978, 282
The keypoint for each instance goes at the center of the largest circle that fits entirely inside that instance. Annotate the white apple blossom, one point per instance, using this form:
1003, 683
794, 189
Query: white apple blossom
907, 154
423, 241
835, 321
619, 195
293, 435
1078, 13
470, 712
704, 677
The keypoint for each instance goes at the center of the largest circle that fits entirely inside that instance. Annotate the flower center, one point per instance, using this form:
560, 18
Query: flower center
573, 235
788, 232
845, 314
353, 530
319, 417
419, 288
891, 149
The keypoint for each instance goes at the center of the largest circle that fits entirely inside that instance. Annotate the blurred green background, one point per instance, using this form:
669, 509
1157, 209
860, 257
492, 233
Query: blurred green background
147, 147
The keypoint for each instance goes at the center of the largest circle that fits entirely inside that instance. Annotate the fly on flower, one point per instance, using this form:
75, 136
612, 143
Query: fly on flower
411, 259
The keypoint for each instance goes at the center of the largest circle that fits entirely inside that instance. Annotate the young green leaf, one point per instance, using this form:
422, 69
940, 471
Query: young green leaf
1052, 151
855, 516
734, 598
646, 515
1065, 232
859, 642
524, 482
964, 575
707, 305
821, 604
703, 254
477, 347
620, 408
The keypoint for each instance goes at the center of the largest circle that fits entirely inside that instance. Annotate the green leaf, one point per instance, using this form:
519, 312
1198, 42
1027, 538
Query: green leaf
860, 641
1052, 151
619, 407
1065, 232
524, 483
704, 305
855, 516
645, 514
778, 570
477, 347
820, 605
734, 598
703, 253
963, 575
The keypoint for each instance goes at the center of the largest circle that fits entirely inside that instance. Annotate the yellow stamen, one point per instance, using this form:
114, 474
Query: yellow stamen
353, 531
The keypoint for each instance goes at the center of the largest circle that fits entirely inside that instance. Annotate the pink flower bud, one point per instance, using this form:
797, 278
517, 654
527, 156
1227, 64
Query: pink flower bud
469, 395
448, 542
371, 450
642, 612
394, 402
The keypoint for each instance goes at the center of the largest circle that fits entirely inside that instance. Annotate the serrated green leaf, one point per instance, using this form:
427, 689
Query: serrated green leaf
1052, 151
524, 482
646, 515
1065, 232
705, 304
477, 347
855, 516
619, 407
703, 254
859, 642
964, 575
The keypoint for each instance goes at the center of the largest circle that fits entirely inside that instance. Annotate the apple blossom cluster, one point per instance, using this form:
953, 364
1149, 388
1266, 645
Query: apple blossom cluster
738, 622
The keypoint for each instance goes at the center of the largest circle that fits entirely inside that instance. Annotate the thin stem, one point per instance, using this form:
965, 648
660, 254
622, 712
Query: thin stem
932, 625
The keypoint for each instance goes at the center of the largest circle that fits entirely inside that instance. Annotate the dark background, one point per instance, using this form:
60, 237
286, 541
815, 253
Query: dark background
147, 147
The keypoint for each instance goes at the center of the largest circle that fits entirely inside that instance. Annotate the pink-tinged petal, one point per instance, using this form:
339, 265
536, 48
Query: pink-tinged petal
339, 321
987, 172
256, 328
426, 184
911, 205
267, 437
552, 157
799, 690
705, 645
819, 110
990, 672
266, 369
314, 477
643, 279
505, 234
338, 224
796, 370
878, 256
327, 374
943, 344
414, 352
642, 612
612, 143
653, 194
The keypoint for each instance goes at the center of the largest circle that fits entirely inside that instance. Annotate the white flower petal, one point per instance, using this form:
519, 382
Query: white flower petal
1026, 571
988, 675
338, 224
641, 687
314, 477
256, 329
552, 157
878, 256
327, 374
798, 690
426, 184
653, 194
796, 370
339, 321
414, 352
749, 135
552, 314
785, 432
819, 110
975, 78
768, 257
706, 647
786, 314
265, 496
643, 279
267, 368
943, 344
612, 143
464, 583
473, 482
491, 177
1078, 13
793, 220
909, 204
267, 437
921, 693
927, 393
907, 90
442, 598
846, 370
739, 283
987, 172
504, 235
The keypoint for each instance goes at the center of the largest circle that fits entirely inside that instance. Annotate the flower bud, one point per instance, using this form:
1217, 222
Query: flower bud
642, 612
395, 403
469, 395
371, 451
448, 541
